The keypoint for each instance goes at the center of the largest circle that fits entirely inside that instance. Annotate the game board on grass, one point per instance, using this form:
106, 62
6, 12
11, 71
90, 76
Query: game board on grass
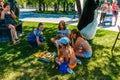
45, 56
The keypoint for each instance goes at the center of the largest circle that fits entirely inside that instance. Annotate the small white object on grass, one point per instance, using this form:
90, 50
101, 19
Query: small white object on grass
79, 61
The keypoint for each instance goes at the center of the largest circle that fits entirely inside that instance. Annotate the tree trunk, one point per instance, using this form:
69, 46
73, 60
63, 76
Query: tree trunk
58, 5
40, 5
44, 7
47, 7
67, 8
87, 15
64, 4
78, 7
55, 8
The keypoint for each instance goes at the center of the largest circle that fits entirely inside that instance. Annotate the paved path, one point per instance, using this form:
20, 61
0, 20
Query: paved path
28, 15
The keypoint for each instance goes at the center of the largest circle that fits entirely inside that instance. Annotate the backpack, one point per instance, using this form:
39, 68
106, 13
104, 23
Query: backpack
63, 68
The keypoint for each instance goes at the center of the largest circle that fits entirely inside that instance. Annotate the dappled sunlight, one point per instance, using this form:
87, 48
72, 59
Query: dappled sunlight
18, 62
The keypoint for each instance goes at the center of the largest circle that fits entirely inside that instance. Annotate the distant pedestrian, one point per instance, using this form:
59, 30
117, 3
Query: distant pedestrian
108, 17
103, 12
115, 9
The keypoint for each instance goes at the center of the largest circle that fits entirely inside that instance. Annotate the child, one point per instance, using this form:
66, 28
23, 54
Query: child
62, 31
80, 45
9, 17
115, 9
66, 53
35, 37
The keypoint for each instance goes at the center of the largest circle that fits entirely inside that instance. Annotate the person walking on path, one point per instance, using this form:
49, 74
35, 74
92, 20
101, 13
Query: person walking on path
115, 9
103, 12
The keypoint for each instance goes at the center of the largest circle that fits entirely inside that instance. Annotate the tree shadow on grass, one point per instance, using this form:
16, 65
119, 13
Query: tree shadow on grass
20, 58
97, 73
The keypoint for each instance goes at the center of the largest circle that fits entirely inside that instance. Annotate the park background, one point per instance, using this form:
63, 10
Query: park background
19, 63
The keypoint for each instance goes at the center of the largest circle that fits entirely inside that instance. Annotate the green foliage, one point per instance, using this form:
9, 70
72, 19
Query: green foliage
21, 2
18, 63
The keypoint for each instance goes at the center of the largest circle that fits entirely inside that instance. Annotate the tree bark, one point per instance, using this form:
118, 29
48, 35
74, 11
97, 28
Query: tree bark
58, 5
87, 15
55, 8
44, 7
67, 8
78, 7
40, 5
64, 6
47, 7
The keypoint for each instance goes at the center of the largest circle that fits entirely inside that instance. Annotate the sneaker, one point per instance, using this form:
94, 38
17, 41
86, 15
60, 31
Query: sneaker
70, 71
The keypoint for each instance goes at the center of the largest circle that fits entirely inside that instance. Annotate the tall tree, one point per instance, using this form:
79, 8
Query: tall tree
87, 21
78, 3
40, 5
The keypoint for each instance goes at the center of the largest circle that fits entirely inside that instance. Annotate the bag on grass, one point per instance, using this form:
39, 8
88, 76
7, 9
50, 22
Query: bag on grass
63, 68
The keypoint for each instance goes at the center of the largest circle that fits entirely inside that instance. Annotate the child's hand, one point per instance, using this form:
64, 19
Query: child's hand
41, 33
40, 43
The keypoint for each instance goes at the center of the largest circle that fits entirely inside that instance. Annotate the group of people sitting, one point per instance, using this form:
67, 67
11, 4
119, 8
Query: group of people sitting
9, 16
69, 44
109, 9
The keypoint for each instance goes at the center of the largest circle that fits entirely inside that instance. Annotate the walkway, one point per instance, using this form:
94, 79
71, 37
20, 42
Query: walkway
28, 15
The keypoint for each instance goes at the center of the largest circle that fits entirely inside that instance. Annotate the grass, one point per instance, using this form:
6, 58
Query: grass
18, 63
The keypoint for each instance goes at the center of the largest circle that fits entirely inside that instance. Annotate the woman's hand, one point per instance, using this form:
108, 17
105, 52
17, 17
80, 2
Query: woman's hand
13, 14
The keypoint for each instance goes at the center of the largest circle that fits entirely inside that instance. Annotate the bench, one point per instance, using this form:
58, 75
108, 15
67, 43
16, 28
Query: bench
5, 34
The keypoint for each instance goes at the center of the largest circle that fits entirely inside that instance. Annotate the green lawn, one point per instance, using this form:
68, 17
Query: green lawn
18, 63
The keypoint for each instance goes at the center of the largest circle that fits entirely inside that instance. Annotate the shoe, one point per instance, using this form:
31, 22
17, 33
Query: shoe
70, 71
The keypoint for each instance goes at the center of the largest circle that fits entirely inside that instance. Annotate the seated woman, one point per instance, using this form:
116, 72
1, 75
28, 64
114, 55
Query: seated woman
62, 31
80, 45
9, 17
66, 53
35, 37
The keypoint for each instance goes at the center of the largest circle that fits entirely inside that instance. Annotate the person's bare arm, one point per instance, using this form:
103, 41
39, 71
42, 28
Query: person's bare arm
77, 44
2, 15
38, 41
59, 35
73, 43
13, 14
58, 49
